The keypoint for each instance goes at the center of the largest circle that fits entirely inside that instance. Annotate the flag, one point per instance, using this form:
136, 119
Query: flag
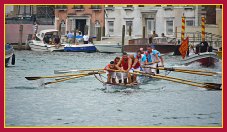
184, 48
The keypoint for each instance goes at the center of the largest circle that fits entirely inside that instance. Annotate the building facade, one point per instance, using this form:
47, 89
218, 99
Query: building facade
85, 18
160, 18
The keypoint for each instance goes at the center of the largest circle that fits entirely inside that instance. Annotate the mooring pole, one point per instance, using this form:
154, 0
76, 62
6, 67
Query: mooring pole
20, 37
123, 38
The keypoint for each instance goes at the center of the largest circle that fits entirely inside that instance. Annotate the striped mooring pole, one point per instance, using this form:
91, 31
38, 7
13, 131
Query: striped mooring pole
203, 28
183, 28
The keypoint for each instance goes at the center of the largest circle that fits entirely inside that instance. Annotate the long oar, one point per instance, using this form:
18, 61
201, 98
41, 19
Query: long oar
64, 75
188, 82
73, 77
74, 70
65, 79
184, 71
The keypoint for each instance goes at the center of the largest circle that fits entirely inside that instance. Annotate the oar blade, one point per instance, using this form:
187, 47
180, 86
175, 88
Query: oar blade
33, 78
213, 86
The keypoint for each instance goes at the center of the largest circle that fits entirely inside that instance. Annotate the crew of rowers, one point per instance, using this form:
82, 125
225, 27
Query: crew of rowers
127, 64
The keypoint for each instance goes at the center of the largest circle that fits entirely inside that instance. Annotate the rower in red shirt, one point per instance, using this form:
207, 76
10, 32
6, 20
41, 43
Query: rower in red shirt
110, 71
125, 65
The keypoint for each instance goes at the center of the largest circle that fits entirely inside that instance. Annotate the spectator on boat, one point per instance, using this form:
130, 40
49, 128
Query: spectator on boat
118, 74
163, 35
86, 38
57, 41
46, 39
66, 36
191, 50
70, 37
110, 71
152, 37
125, 64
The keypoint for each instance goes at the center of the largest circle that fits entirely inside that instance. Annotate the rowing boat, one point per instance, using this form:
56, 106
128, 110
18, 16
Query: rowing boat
119, 86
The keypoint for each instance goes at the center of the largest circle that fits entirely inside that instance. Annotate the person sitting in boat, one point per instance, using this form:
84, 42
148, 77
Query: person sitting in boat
125, 64
46, 39
57, 41
158, 56
118, 74
110, 71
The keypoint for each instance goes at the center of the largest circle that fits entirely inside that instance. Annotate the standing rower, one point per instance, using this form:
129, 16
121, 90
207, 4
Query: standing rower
125, 64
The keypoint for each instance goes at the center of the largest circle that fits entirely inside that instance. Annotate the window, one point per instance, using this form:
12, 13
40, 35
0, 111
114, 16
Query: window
129, 5
169, 27
110, 5
111, 27
189, 22
128, 25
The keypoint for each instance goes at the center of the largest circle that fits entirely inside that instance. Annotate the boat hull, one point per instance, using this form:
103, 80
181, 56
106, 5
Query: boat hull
205, 59
80, 48
109, 48
9, 55
39, 46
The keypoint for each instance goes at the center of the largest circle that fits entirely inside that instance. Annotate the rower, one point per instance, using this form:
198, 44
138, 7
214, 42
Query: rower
141, 57
118, 74
110, 71
135, 65
125, 64
150, 61
158, 56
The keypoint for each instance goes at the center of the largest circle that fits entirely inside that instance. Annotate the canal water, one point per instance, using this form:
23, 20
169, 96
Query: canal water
83, 102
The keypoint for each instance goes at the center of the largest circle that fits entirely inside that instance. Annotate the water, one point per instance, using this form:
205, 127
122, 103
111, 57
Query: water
83, 102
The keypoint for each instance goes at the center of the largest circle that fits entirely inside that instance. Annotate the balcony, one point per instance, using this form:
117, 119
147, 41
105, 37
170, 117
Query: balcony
96, 7
78, 7
61, 8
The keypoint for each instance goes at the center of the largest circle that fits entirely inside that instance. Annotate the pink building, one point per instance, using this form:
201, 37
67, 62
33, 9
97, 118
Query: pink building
85, 18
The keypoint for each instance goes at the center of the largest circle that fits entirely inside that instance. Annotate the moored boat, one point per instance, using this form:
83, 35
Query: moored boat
37, 44
80, 48
9, 55
205, 59
109, 48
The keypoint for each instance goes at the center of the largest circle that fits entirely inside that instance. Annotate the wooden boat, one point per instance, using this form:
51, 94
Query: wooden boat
163, 44
119, 86
205, 59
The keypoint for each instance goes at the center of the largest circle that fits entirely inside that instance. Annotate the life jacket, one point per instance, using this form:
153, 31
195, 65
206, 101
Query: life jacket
124, 63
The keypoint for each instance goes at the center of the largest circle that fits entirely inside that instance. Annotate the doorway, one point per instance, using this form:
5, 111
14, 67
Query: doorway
80, 25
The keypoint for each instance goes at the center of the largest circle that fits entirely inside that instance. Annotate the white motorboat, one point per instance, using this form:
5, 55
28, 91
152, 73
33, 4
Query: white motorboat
38, 44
